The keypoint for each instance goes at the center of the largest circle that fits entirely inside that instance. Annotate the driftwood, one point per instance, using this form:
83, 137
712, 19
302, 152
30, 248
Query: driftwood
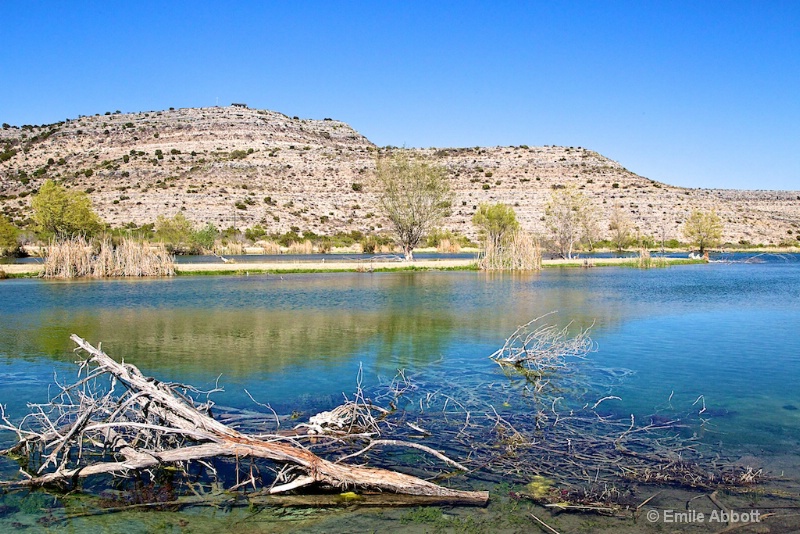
538, 423
89, 430
543, 349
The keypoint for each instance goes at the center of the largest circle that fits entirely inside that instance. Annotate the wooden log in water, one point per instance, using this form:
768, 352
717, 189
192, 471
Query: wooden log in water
211, 438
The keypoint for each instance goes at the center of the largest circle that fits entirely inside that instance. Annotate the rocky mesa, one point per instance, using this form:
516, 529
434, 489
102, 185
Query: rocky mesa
235, 166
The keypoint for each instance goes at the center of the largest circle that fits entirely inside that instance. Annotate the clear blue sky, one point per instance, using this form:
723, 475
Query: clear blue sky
695, 93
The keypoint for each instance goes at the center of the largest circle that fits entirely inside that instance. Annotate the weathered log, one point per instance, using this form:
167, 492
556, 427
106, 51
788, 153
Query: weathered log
210, 438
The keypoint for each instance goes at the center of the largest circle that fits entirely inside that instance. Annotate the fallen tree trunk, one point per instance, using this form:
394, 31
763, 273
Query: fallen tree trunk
153, 424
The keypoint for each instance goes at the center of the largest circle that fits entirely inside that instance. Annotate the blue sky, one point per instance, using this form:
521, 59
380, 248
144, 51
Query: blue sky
695, 93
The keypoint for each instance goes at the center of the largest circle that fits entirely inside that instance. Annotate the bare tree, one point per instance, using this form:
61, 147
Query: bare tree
566, 213
620, 227
591, 227
414, 195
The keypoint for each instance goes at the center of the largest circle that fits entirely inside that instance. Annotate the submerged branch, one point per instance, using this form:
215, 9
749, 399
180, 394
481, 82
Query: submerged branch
149, 424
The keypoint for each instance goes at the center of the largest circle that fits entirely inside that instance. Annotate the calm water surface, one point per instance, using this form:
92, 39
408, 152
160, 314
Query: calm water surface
726, 332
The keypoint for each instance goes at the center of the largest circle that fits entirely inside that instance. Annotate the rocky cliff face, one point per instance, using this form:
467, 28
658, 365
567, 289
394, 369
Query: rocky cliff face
238, 166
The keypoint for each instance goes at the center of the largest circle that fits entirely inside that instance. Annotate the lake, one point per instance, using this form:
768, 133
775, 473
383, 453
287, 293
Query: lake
716, 345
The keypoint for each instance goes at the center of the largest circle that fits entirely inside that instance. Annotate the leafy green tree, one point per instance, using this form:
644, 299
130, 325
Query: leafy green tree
703, 229
205, 237
495, 222
63, 213
414, 195
8, 236
175, 232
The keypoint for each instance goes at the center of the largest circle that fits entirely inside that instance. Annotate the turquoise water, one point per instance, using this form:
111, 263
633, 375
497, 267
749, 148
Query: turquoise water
725, 334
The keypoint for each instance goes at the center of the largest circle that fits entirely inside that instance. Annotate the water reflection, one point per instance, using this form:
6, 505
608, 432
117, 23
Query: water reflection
290, 336
263, 324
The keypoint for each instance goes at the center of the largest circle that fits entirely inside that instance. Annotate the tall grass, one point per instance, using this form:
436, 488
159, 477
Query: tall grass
520, 251
269, 247
77, 258
446, 246
306, 247
646, 261
229, 248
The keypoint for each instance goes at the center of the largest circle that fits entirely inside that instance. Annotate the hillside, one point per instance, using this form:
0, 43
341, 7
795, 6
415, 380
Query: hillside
232, 165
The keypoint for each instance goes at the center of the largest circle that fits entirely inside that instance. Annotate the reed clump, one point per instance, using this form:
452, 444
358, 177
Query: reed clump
229, 248
646, 261
77, 258
519, 251
446, 246
269, 247
306, 247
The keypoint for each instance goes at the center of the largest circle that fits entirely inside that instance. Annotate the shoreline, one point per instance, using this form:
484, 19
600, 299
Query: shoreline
200, 269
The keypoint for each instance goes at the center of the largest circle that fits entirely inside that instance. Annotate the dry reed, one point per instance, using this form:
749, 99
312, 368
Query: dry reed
231, 249
446, 246
269, 247
518, 252
77, 258
306, 247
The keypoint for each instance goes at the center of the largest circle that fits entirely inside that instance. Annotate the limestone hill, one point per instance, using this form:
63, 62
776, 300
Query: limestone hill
239, 166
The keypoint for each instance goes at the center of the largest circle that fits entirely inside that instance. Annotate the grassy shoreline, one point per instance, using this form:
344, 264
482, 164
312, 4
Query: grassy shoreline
215, 269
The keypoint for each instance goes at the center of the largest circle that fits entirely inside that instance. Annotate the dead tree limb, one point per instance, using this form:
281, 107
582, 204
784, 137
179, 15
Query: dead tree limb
152, 423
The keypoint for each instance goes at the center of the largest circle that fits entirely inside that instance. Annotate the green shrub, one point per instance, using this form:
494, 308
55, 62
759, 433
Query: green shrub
7, 154
205, 237
8, 236
369, 245
63, 213
255, 233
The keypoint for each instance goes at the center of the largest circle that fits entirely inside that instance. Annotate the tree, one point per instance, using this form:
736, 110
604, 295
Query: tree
620, 227
414, 195
206, 236
495, 221
565, 216
63, 213
175, 232
703, 229
8, 236
590, 227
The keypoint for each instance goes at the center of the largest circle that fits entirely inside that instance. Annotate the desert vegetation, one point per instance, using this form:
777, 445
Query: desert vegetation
703, 229
256, 179
505, 246
414, 195
76, 257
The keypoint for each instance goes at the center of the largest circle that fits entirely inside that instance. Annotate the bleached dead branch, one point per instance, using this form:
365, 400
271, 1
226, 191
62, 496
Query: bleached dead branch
121, 421
544, 348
